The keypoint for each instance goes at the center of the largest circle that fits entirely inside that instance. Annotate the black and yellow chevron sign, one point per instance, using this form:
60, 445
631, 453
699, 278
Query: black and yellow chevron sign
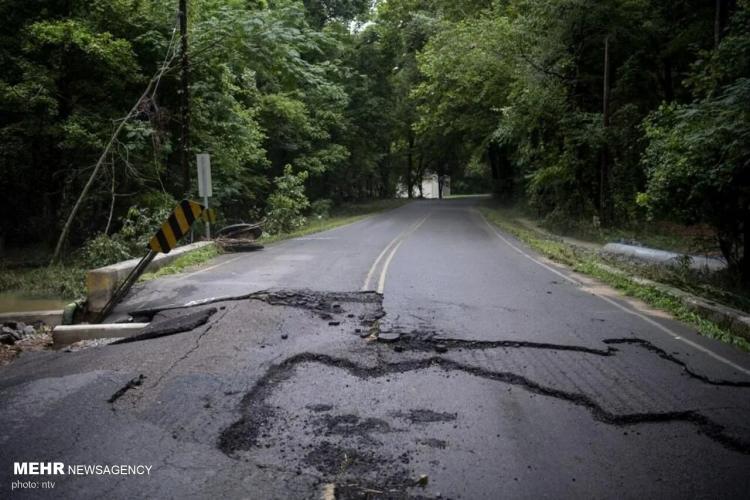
176, 226
209, 215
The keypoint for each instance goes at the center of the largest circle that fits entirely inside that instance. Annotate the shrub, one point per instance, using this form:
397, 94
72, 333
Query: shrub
104, 250
287, 203
321, 209
142, 221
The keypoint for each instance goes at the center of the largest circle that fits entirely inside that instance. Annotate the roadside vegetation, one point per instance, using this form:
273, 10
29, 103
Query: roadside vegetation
586, 261
606, 119
68, 281
190, 260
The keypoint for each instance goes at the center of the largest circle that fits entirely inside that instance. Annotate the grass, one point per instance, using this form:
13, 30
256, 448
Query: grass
587, 262
183, 262
718, 286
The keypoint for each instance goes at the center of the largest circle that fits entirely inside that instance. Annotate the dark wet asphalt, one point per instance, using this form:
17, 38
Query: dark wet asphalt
509, 378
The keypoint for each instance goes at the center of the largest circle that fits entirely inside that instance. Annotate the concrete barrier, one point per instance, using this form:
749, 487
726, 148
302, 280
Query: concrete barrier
67, 334
662, 257
50, 318
101, 283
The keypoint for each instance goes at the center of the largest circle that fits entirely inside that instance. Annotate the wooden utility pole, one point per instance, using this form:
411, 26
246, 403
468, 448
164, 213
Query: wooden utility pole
604, 172
724, 11
410, 166
184, 98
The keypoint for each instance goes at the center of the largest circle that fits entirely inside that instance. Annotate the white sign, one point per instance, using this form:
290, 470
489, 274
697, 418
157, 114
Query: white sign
205, 189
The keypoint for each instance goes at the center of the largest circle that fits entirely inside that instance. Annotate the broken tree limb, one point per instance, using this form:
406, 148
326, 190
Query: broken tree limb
90, 182
68, 223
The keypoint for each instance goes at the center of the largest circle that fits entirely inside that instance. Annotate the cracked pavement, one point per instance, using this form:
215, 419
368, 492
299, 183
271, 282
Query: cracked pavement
481, 366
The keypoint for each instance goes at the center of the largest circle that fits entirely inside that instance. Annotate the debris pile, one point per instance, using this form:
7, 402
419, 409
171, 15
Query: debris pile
240, 237
13, 331
16, 337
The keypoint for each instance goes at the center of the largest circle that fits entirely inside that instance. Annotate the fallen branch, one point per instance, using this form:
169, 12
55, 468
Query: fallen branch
152, 84
90, 182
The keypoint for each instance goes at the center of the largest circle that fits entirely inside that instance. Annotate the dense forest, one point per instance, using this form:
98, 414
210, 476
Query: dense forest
611, 112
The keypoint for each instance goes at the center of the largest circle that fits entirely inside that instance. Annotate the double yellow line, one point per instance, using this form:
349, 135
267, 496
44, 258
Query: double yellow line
391, 250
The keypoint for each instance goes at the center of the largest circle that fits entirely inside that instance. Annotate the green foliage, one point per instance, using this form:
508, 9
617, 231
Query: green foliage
698, 155
66, 282
504, 96
287, 203
142, 221
320, 209
103, 250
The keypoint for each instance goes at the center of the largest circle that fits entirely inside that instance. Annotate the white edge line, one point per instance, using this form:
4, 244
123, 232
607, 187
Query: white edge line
199, 271
648, 320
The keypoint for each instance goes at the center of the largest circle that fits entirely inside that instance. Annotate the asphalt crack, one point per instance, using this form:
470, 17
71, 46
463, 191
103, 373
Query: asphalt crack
324, 304
644, 344
256, 412
132, 384
429, 342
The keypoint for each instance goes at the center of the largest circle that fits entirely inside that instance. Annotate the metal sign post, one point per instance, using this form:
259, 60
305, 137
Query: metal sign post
205, 188
177, 225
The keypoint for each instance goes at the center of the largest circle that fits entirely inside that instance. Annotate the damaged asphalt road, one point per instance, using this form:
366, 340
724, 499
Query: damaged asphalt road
464, 379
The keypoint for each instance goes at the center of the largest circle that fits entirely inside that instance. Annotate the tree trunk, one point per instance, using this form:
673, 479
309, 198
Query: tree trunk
724, 11
502, 171
668, 80
410, 166
745, 262
492, 157
420, 176
184, 99
604, 171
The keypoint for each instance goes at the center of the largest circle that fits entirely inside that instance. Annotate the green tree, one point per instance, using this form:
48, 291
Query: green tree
698, 155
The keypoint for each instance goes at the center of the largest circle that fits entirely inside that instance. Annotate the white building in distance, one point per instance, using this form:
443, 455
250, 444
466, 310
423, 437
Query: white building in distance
430, 188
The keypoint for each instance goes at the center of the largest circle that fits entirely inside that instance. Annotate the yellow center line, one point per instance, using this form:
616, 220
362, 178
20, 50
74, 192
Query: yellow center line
396, 241
381, 282
374, 266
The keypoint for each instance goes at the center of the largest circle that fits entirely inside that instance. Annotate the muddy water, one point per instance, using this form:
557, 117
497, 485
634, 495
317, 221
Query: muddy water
12, 302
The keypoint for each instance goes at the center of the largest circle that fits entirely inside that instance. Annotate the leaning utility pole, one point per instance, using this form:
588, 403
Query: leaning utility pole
184, 99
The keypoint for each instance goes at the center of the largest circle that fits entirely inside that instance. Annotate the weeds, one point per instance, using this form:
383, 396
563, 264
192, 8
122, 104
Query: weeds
190, 259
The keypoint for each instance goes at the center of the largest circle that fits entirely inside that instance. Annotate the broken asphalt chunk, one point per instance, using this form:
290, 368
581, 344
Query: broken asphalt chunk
389, 336
170, 326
